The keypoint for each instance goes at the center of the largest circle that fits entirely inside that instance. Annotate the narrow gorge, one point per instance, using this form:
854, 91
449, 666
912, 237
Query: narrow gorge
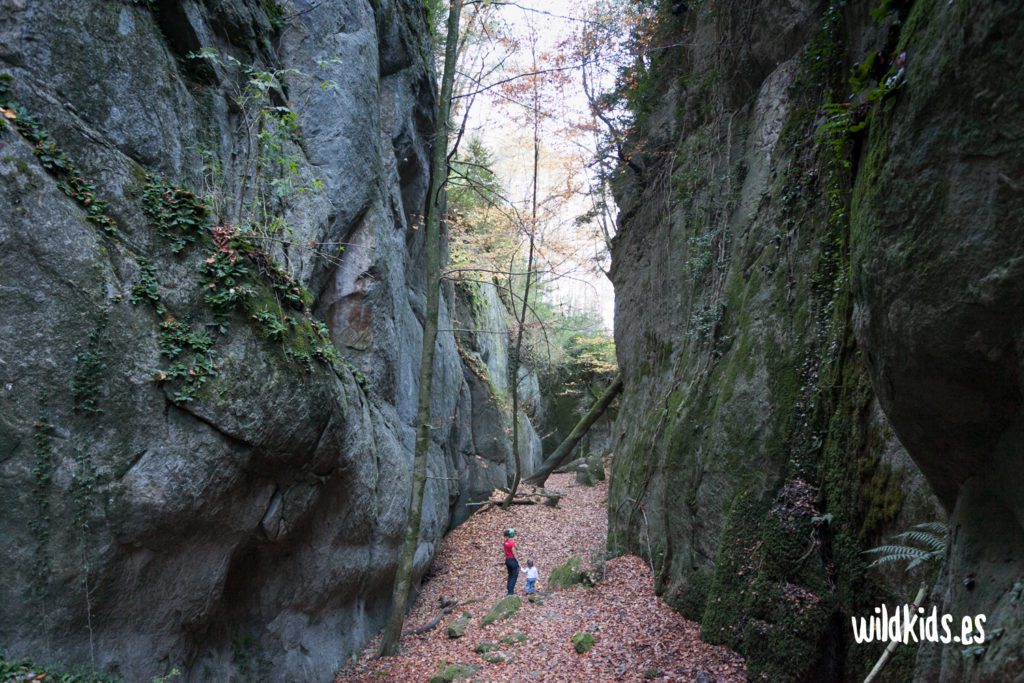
213, 297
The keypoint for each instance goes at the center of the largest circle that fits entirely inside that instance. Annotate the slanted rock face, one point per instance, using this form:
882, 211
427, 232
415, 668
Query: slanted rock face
753, 460
939, 268
242, 514
800, 294
481, 324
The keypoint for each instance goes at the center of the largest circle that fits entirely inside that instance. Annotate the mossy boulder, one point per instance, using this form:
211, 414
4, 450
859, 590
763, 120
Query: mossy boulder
455, 672
485, 647
495, 658
566, 575
503, 609
569, 467
517, 638
457, 628
582, 641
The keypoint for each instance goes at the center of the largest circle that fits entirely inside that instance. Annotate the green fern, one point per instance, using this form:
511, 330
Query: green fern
924, 543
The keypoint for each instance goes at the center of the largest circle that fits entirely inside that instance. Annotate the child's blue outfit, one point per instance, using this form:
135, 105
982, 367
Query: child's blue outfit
531, 580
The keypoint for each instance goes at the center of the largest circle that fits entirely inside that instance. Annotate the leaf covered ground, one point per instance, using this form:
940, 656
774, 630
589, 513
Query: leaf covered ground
636, 636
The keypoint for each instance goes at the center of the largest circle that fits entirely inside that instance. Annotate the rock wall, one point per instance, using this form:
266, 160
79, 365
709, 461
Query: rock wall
481, 324
776, 337
938, 266
193, 475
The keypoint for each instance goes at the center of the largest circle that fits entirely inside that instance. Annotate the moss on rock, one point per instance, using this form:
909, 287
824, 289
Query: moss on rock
517, 638
566, 575
455, 672
503, 609
457, 628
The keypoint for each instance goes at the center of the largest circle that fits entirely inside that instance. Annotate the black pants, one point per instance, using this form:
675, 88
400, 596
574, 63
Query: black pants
513, 573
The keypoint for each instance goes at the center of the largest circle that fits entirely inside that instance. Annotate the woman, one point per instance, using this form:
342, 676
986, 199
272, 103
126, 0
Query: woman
511, 563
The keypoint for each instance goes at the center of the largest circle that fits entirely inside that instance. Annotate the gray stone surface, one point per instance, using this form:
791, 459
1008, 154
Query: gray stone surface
251, 533
939, 272
749, 407
481, 321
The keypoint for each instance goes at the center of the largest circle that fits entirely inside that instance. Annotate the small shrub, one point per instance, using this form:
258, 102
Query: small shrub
582, 641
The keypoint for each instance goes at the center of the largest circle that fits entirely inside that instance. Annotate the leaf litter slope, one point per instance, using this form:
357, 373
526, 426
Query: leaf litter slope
637, 637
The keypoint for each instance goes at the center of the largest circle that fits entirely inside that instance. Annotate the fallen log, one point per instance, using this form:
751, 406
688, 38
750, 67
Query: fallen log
446, 608
549, 497
564, 450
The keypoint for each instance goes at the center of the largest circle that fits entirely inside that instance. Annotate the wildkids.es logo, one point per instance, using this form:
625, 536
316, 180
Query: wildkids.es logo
909, 624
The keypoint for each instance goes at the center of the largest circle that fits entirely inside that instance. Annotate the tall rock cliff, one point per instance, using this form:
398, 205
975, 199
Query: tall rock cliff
818, 296
938, 264
207, 395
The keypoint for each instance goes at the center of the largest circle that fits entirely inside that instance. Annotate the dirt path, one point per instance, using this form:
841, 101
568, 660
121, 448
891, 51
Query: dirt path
637, 638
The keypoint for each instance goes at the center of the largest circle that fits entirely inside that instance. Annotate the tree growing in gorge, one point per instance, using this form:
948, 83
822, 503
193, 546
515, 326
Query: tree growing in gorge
531, 234
432, 239
561, 454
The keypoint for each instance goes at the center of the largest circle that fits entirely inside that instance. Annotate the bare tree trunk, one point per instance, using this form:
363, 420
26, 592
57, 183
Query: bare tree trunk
435, 204
884, 659
517, 355
564, 450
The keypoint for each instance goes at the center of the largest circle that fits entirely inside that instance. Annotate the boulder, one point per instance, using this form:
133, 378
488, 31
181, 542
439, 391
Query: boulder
457, 628
503, 609
455, 672
566, 575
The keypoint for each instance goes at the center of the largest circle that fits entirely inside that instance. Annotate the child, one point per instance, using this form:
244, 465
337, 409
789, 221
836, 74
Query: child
531, 578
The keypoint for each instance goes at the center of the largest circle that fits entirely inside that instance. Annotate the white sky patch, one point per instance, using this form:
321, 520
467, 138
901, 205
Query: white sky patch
505, 130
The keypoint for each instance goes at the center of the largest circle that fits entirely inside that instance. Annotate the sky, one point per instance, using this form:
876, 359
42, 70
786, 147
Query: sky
580, 285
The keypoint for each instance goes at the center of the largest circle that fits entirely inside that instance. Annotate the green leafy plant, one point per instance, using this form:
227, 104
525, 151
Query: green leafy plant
270, 166
275, 13
52, 158
272, 325
192, 354
172, 675
178, 214
924, 543
39, 524
25, 670
147, 288
224, 277
90, 368
844, 119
